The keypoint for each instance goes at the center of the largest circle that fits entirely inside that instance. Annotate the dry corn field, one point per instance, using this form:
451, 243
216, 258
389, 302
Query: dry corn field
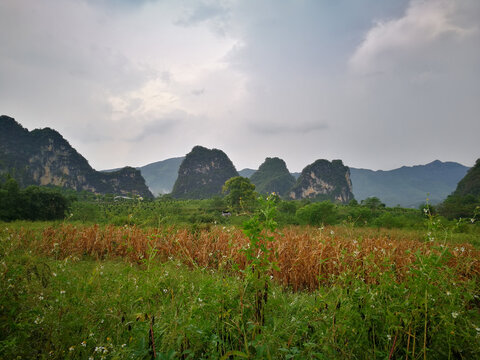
306, 257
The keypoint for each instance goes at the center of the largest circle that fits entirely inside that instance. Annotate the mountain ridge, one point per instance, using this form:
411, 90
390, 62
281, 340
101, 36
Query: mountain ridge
420, 187
45, 157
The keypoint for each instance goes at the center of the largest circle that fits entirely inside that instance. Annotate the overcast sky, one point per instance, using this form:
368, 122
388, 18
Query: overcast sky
378, 84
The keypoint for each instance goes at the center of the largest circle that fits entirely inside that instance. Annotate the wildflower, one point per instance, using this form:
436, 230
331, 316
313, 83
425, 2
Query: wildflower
91, 334
84, 343
165, 291
62, 292
123, 345
71, 348
472, 220
448, 293
389, 337
455, 314
108, 339
332, 232
54, 274
40, 297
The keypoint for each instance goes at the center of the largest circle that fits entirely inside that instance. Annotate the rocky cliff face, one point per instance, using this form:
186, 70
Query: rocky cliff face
273, 176
324, 180
44, 157
202, 174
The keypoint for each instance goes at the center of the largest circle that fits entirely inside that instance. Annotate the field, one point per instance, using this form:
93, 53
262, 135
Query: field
223, 291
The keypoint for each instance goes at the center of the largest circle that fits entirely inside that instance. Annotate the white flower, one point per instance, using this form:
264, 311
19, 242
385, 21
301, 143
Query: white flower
165, 291
332, 232
62, 291
448, 293
455, 314
123, 345
389, 337
71, 348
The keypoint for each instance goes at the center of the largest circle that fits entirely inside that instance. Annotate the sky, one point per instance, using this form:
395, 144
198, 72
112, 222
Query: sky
378, 84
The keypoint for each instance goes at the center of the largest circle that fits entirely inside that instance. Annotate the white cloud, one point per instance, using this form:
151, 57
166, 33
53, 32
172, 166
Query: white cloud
426, 23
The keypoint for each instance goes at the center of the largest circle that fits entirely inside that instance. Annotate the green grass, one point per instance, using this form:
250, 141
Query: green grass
80, 308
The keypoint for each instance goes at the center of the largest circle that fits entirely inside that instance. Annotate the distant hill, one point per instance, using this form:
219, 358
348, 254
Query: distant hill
202, 174
324, 180
160, 176
246, 172
408, 186
44, 157
273, 176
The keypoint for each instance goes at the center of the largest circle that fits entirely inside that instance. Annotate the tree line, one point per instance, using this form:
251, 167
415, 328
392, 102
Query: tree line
31, 203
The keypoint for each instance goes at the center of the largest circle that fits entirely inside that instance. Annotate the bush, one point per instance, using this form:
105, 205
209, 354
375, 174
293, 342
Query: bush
319, 213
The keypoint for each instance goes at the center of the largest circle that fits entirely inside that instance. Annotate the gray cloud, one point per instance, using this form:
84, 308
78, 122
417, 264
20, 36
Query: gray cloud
125, 82
201, 12
271, 129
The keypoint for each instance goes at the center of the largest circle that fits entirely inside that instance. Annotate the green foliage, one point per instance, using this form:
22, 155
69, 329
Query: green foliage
464, 201
373, 203
240, 193
320, 213
273, 177
32, 203
470, 184
260, 262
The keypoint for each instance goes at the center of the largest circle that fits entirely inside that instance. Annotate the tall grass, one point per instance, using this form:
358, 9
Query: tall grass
307, 257
110, 292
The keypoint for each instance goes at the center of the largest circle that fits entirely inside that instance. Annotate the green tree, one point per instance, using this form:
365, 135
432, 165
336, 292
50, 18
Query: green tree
373, 203
318, 213
240, 192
